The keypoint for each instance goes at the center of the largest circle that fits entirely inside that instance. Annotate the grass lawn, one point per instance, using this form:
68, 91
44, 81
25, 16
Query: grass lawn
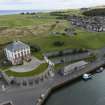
19, 20
92, 40
43, 39
83, 39
24, 20
58, 67
4, 68
39, 55
37, 71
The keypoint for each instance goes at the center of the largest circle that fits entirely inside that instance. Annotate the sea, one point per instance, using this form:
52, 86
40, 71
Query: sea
8, 12
80, 92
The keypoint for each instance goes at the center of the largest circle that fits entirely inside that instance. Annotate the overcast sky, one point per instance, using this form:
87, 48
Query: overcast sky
47, 4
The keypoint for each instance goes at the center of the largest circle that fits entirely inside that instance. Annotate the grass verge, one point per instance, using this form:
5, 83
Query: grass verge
34, 72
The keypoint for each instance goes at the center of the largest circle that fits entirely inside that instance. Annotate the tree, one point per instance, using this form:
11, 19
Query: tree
22, 13
35, 48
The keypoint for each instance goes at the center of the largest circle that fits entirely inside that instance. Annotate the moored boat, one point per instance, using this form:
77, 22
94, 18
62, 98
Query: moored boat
100, 70
86, 76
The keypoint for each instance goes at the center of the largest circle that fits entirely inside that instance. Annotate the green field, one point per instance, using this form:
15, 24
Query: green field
24, 20
38, 30
81, 40
19, 20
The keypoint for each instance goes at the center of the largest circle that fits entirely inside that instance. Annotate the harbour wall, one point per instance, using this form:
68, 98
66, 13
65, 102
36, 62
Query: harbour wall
69, 78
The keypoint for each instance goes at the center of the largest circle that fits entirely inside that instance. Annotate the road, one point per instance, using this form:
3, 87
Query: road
24, 96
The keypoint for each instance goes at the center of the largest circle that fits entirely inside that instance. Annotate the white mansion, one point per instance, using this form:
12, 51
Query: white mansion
17, 51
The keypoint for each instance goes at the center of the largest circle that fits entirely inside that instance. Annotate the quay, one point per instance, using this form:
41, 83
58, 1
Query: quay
59, 81
37, 94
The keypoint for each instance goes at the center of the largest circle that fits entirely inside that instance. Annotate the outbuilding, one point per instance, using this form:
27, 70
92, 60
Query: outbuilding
74, 67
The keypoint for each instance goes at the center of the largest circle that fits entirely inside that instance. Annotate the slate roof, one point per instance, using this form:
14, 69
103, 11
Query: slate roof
16, 45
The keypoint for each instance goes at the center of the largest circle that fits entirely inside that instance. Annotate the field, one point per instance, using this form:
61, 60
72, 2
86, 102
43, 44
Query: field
37, 29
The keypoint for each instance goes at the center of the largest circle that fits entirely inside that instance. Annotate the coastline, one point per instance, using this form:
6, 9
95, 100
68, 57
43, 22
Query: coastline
14, 12
67, 79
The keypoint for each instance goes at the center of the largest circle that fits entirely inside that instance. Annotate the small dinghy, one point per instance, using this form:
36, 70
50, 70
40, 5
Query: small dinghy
100, 70
86, 76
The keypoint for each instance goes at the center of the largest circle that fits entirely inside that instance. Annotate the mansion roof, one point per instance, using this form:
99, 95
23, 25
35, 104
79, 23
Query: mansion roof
16, 45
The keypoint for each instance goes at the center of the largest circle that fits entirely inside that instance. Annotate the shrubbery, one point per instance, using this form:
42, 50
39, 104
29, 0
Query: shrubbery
80, 50
92, 57
35, 48
58, 43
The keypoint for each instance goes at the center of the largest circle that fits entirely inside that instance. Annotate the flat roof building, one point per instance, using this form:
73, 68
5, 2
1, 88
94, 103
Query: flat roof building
73, 67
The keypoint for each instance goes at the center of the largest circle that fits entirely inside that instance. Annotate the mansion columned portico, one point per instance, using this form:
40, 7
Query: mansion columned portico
17, 52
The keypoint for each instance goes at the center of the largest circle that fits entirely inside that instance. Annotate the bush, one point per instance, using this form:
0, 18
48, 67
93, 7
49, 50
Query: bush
27, 13
92, 57
22, 13
75, 51
35, 48
80, 50
58, 43
61, 53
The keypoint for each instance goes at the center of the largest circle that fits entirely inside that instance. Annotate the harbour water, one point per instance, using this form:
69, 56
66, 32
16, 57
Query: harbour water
91, 92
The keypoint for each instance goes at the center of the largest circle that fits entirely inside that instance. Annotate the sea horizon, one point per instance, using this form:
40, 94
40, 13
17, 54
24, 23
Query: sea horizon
10, 12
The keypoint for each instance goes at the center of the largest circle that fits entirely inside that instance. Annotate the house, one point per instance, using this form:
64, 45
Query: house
95, 23
17, 52
74, 67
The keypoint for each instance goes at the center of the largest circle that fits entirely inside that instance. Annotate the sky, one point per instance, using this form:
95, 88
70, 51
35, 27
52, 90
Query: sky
47, 4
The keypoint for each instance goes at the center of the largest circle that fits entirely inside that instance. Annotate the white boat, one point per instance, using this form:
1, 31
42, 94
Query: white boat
86, 76
100, 70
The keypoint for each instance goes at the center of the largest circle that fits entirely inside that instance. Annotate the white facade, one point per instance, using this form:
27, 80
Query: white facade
17, 51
